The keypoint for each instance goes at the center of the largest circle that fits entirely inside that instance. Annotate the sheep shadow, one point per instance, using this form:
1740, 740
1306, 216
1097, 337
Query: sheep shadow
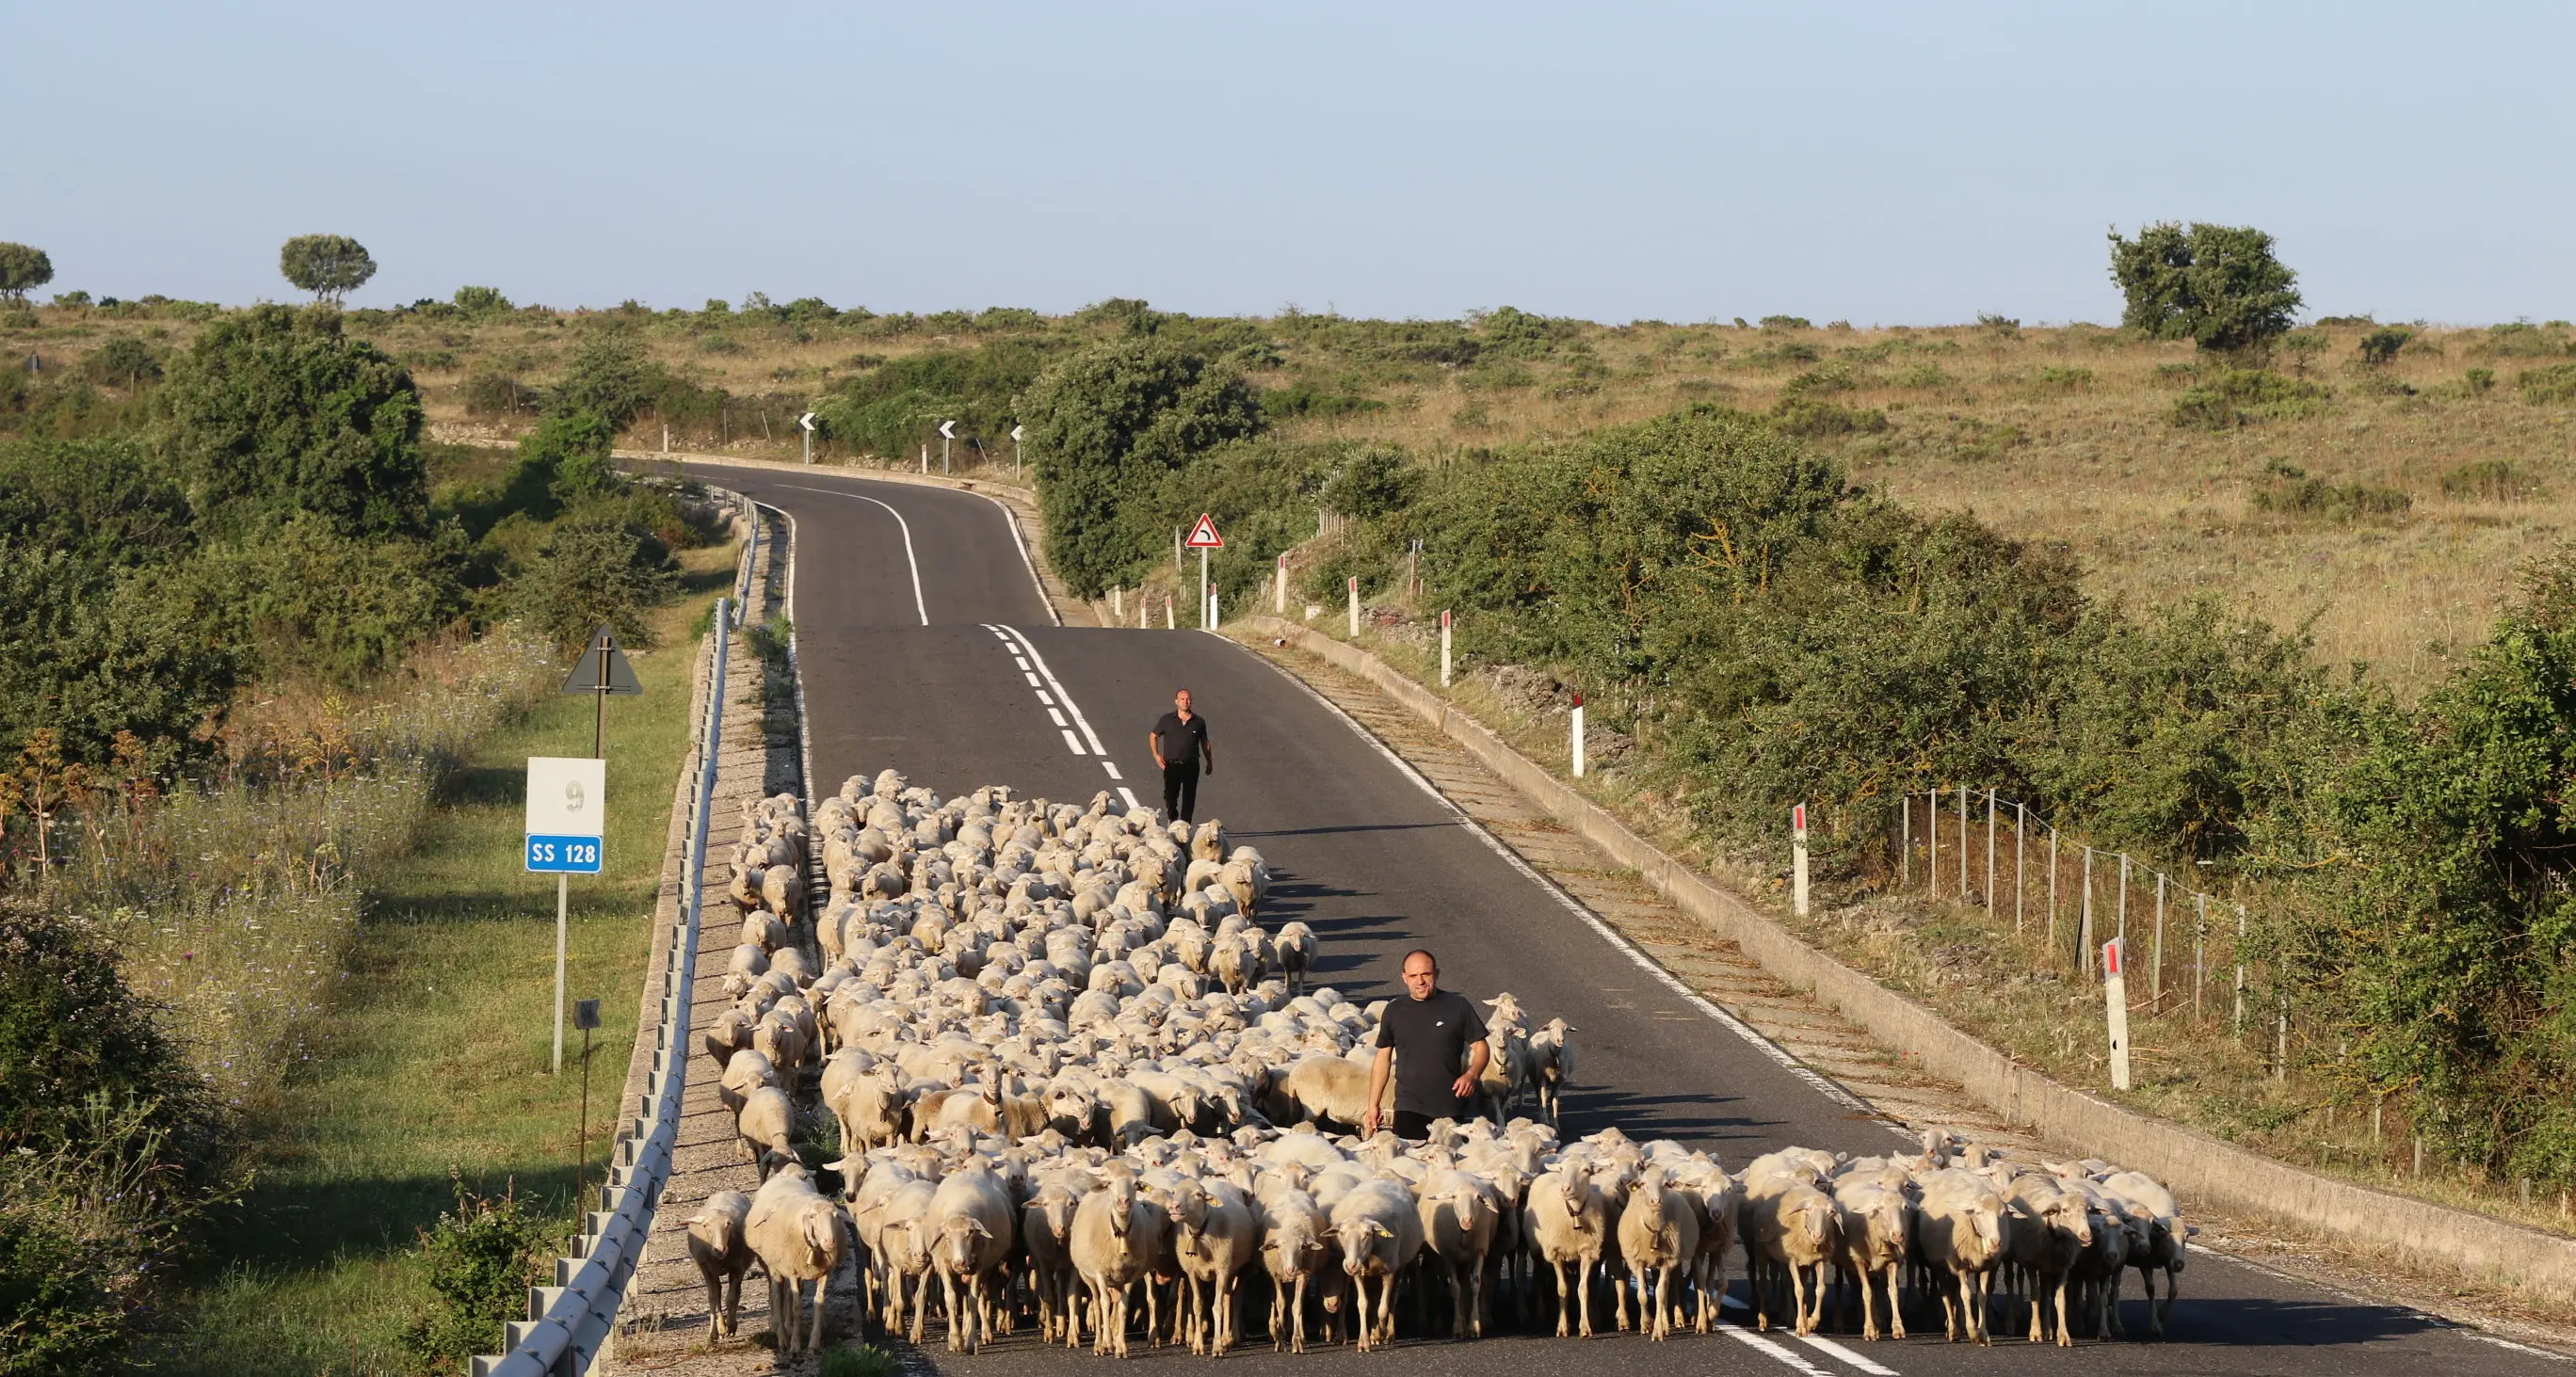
1686, 1118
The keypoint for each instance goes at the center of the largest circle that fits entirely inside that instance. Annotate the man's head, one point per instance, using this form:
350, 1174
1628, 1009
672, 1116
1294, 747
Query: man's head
1421, 973
1181, 701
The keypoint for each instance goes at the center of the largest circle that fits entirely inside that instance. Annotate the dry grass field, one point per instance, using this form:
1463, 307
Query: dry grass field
2062, 434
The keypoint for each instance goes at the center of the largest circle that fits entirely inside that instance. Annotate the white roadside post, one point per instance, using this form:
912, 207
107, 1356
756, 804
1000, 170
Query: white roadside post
947, 432
2115, 994
806, 421
567, 810
1444, 647
1578, 736
1798, 860
1016, 433
1355, 607
925, 458
1279, 593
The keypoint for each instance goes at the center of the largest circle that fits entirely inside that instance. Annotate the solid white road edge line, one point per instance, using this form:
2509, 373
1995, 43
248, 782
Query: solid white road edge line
1070, 706
1822, 1084
1011, 521
917, 604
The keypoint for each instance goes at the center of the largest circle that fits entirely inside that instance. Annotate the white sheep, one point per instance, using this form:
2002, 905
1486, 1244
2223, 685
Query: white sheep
717, 1245
797, 1235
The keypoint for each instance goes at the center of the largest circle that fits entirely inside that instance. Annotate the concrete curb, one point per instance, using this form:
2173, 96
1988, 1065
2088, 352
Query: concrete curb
2193, 1164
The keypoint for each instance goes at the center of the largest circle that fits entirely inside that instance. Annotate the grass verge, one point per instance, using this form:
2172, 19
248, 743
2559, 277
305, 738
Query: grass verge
428, 1068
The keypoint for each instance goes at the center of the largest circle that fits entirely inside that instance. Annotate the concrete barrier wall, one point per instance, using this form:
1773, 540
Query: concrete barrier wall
2196, 1166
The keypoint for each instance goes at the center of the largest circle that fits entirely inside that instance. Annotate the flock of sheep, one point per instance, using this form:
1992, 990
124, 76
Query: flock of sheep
1075, 1080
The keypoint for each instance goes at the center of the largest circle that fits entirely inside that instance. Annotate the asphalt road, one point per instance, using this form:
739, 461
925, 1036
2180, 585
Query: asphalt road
940, 659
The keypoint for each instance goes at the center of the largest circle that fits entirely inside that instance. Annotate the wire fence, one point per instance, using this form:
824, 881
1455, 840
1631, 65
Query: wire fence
2187, 950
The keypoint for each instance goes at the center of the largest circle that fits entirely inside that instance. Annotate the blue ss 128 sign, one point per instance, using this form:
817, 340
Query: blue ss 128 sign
574, 855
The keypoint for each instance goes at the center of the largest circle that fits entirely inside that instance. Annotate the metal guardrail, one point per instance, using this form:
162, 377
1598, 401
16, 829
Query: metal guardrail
572, 1319
750, 557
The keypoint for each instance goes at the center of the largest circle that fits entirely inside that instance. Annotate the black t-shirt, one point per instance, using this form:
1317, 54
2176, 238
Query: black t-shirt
1179, 741
1430, 1038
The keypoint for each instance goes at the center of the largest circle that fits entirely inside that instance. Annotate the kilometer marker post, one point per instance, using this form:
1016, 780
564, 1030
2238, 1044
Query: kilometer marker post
2115, 995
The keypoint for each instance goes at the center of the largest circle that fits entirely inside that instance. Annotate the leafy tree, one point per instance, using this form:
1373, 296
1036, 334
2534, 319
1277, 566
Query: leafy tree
330, 266
272, 412
1374, 481
2380, 346
2218, 284
1106, 425
125, 361
609, 377
23, 268
481, 301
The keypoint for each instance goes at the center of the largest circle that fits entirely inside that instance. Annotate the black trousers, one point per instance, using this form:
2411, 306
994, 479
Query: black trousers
1411, 1127
1181, 790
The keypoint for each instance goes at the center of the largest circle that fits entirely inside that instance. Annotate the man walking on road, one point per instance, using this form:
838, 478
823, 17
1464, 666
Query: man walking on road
1428, 1037
1180, 742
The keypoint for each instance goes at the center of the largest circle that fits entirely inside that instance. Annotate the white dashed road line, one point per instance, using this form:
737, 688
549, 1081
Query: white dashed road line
1057, 702
1869, 1365
1755, 1341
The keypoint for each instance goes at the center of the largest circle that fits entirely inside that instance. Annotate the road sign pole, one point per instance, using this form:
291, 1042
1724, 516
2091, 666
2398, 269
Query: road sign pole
1355, 606
1279, 601
947, 432
1444, 647
1203, 589
563, 906
1016, 432
1578, 736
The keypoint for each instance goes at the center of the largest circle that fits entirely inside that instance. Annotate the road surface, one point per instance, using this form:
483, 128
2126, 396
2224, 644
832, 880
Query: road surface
927, 646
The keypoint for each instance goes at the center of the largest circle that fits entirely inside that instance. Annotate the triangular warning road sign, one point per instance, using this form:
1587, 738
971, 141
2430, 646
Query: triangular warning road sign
1203, 536
618, 680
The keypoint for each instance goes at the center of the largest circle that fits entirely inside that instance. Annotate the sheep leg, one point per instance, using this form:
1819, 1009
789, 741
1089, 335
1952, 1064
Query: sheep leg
1361, 1303
2111, 1304
1950, 1308
1386, 1311
2173, 1288
1583, 1288
814, 1341
2065, 1331
1476, 1300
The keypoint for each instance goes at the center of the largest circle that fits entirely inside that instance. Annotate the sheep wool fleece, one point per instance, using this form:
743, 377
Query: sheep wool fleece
1430, 1038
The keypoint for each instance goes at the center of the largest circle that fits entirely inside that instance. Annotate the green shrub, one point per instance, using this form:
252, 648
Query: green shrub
2543, 386
1833, 377
2289, 491
2071, 379
2492, 480
273, 412
1921, 375
858, 1360
1300, 401
2380, 346
1373, 482
1794, 415
573, 451
124, 361
483, 1256
899, 404
607, 376
481, 301
595, 570
308, 600
2241, 396
488, 392
2478, 382
1785, 323
2522, 340
60, 1314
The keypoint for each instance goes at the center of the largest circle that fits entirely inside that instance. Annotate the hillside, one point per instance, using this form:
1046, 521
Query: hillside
2385, 509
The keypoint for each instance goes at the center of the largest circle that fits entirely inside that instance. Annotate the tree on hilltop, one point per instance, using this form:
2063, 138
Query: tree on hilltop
330, 266
2218, 284
23, 267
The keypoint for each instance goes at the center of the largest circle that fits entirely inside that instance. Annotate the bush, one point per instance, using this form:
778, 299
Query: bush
2492, 480
2072, 379
2234, 397
483, 1256
2478, 382
273, 412
73, 1034
573, 452
1794, 415
1373, 482
1785, 323
594, 570
859, 1360
2542, 386
1111, 422
2220, 285
59, 1308
899, 404
2380, 346
124, 361
481, 301
490, 393
313, 601
2289, 491
607, 376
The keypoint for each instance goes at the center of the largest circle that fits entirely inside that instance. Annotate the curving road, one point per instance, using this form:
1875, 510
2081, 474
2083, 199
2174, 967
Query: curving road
927, 646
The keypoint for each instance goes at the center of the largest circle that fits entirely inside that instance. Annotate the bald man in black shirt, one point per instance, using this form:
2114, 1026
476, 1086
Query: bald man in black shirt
1180, 742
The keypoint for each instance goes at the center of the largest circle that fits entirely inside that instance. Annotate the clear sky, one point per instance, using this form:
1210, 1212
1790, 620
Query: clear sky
1873, 162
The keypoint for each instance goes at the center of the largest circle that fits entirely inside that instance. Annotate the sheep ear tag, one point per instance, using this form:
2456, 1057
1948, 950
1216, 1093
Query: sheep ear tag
615, 677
